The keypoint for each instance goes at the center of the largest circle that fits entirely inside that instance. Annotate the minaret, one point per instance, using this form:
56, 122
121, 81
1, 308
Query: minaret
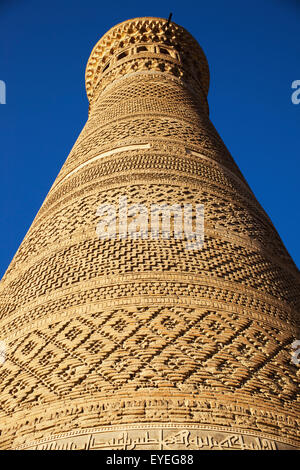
142, 343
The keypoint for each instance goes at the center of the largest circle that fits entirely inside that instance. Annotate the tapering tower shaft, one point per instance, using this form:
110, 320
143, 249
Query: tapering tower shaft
140, 342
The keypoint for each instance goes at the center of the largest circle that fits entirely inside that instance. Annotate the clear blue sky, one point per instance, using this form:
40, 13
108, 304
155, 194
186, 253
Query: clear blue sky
253, 50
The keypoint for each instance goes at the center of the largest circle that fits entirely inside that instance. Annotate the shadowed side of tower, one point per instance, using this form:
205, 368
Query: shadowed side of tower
142, 343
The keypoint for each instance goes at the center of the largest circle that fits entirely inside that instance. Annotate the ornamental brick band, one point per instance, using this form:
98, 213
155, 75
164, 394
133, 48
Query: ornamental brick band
129, 344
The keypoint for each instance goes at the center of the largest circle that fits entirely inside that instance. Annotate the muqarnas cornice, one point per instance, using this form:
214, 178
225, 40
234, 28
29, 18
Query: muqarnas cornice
146, 44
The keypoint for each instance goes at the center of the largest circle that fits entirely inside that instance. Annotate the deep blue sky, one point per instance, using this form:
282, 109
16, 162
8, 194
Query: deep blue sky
253, 50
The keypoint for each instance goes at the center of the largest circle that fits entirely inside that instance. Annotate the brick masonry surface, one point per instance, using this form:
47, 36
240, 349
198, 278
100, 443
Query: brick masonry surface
143, 344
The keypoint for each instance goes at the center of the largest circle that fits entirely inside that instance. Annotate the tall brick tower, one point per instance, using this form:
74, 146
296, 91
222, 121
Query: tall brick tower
122, 343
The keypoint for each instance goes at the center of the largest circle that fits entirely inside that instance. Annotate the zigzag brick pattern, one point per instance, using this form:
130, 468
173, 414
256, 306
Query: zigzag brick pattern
142, 343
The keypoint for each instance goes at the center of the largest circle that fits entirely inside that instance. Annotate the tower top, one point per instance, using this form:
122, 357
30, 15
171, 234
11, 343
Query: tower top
146, 44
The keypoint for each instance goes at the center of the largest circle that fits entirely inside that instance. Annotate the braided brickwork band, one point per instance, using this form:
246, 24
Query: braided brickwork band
141, 343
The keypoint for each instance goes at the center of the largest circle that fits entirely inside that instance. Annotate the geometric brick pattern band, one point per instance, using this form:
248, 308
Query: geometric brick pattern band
143, 344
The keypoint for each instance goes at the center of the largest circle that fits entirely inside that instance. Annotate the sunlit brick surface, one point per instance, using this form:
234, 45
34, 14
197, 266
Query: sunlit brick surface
144, 344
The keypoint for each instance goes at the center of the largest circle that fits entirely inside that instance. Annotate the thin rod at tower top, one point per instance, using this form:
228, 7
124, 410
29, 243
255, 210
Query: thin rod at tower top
169, 19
